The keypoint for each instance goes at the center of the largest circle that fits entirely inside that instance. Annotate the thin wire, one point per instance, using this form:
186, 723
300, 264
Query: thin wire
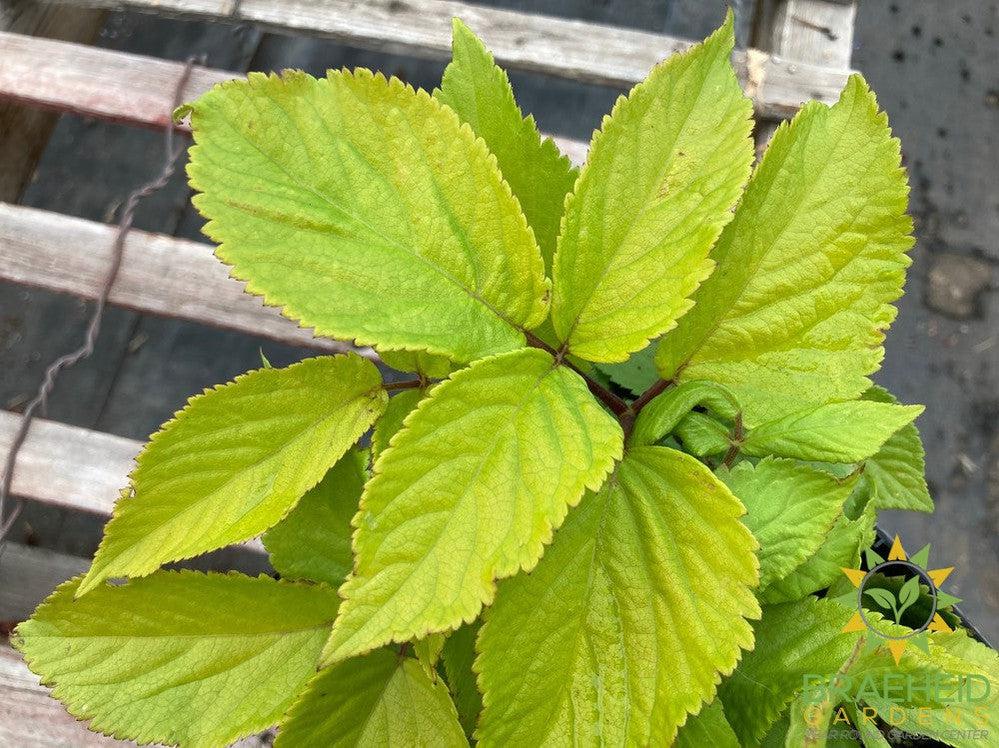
172, 153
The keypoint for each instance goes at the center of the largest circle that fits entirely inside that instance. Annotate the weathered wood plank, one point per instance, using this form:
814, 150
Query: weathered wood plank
25, 131
69, 466
87, 169
579, 50
589, 52
818, 32
28, 575
72, 467
814, 31
159, 274
115, 86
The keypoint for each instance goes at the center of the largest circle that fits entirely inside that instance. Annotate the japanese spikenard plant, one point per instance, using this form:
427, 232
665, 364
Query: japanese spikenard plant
522, 556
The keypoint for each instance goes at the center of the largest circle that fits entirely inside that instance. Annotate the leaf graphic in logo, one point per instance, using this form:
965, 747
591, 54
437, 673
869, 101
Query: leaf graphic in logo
885, 599
907, 596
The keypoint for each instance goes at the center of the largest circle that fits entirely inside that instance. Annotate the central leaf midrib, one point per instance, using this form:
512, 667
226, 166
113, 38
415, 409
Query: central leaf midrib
580, 633
383, 690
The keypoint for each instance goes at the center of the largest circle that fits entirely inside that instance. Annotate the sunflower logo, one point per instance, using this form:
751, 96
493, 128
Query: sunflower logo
906, 592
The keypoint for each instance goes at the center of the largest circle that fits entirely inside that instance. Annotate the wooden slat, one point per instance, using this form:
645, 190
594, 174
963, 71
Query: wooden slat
72, 467
594, 53
69, 466
115, 86
578, 50
28, 575
814, 31
805, 31
159, 274
24, 132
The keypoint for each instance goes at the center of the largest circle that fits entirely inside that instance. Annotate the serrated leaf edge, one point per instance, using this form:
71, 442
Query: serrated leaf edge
743, 643
128, 493
598, 476
708, 264
288, 310
883, 317
57, 692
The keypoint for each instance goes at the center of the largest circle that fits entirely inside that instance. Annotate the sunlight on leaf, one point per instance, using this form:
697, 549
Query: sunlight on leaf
796, 312
662, 175
361, 190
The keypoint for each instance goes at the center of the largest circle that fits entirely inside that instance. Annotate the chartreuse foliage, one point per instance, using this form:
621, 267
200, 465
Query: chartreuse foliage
790, 508
841, 547
662, 175
835, 432
360, 189
457, 658
497, 454
621, 608
664, 413
377, 699
897, 471
518, 555
538, 174
313, 541
708, 727
180, 657
400, 406
235, 461
796, 310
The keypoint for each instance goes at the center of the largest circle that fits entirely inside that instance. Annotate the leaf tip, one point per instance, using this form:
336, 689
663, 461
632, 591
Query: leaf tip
459, 27
91, 579
728, 25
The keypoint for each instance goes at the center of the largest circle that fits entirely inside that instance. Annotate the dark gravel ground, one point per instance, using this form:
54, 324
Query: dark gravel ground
934, 65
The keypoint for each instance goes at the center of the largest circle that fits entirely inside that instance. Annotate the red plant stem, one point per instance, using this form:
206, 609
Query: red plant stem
618, 406
646, 397
738, 434
409, 384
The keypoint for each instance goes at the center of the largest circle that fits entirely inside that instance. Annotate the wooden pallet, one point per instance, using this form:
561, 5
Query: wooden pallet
803, 53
